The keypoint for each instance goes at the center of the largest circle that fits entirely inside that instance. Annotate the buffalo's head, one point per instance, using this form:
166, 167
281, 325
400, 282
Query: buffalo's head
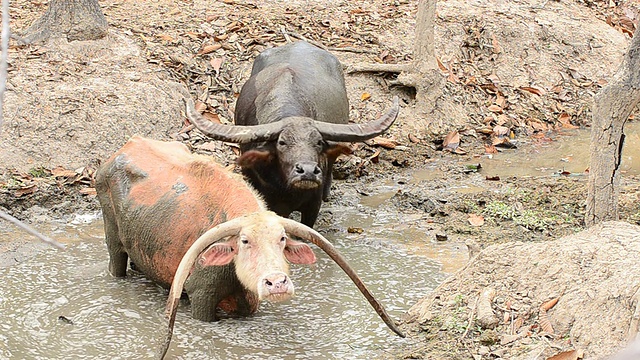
300, 152
302, 147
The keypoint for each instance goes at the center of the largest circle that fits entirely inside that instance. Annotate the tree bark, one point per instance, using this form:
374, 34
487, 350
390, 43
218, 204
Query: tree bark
612, 106
72, 19
424, 49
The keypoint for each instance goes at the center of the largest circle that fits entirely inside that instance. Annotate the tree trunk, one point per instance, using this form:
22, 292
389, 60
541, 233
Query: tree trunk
612, 107
423, 74
72, 19
439, 115
423, 49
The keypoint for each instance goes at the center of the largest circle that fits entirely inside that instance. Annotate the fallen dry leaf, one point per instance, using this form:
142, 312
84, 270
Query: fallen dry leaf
495, 109
62, 172
166, 37
533, 90
549, 304
517, 324
500, 130
545, 323
451, 141
88, 191
441, 66
365, 96
211, 117
506, 339
200, 106
375, 157
476, 220
25, 191
538, 126
565, 120
221, 37
209, 49
216, 63
568, 355
501, 141
382, 141
490, 149
496, 45
209, 146
413, 139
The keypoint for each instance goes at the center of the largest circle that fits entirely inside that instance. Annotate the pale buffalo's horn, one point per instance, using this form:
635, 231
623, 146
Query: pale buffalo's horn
313, 236
231, 227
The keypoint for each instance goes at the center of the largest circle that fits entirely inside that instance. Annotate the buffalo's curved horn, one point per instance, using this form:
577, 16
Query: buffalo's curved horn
308, 233
238, 134
231, 227
359, 132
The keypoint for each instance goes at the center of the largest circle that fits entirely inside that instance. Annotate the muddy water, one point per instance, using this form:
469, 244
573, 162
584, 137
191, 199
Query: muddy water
64, 305
567, 152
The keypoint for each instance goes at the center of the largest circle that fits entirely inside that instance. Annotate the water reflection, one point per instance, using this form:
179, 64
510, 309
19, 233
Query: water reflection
124, 318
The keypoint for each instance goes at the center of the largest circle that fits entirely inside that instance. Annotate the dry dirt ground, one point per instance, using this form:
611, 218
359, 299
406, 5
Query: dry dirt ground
523, 71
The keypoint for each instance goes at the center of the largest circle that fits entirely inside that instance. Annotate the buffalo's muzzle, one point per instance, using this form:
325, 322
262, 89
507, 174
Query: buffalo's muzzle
306, 175
276, 287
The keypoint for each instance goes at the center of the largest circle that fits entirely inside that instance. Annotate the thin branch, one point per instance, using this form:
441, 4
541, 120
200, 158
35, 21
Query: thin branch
471, 318
4, 45
314, 43
29, 229
390, 68
353, 50
284, 33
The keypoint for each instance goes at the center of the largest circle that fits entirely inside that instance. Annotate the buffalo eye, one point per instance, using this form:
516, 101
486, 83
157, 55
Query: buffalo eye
282, 143
283, 239
245, 241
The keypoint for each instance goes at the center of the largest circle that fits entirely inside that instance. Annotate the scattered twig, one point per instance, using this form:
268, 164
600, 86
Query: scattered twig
635, 318
186, 129
390, 68
29, 229
249, 5
353, 50
314, 43
284, 33
471, 318
4, 40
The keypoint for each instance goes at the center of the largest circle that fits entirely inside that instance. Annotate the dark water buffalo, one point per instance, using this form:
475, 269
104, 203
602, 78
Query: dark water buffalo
296, 105
160, 202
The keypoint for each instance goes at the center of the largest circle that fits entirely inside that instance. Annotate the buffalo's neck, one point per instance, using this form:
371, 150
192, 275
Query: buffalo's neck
280, 198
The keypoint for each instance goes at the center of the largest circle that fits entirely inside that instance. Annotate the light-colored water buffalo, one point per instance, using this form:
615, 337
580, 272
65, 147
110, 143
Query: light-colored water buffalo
183, 219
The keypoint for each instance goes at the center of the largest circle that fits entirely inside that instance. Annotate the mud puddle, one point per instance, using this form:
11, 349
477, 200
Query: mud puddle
64, 304
569, 153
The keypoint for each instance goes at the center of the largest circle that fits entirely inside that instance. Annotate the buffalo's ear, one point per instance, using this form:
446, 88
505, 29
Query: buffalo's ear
250, 158
219, 253
299, 253
335, 150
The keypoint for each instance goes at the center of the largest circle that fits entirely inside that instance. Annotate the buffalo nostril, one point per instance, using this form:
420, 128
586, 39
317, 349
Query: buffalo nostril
299, 169
317, 171
269, 283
